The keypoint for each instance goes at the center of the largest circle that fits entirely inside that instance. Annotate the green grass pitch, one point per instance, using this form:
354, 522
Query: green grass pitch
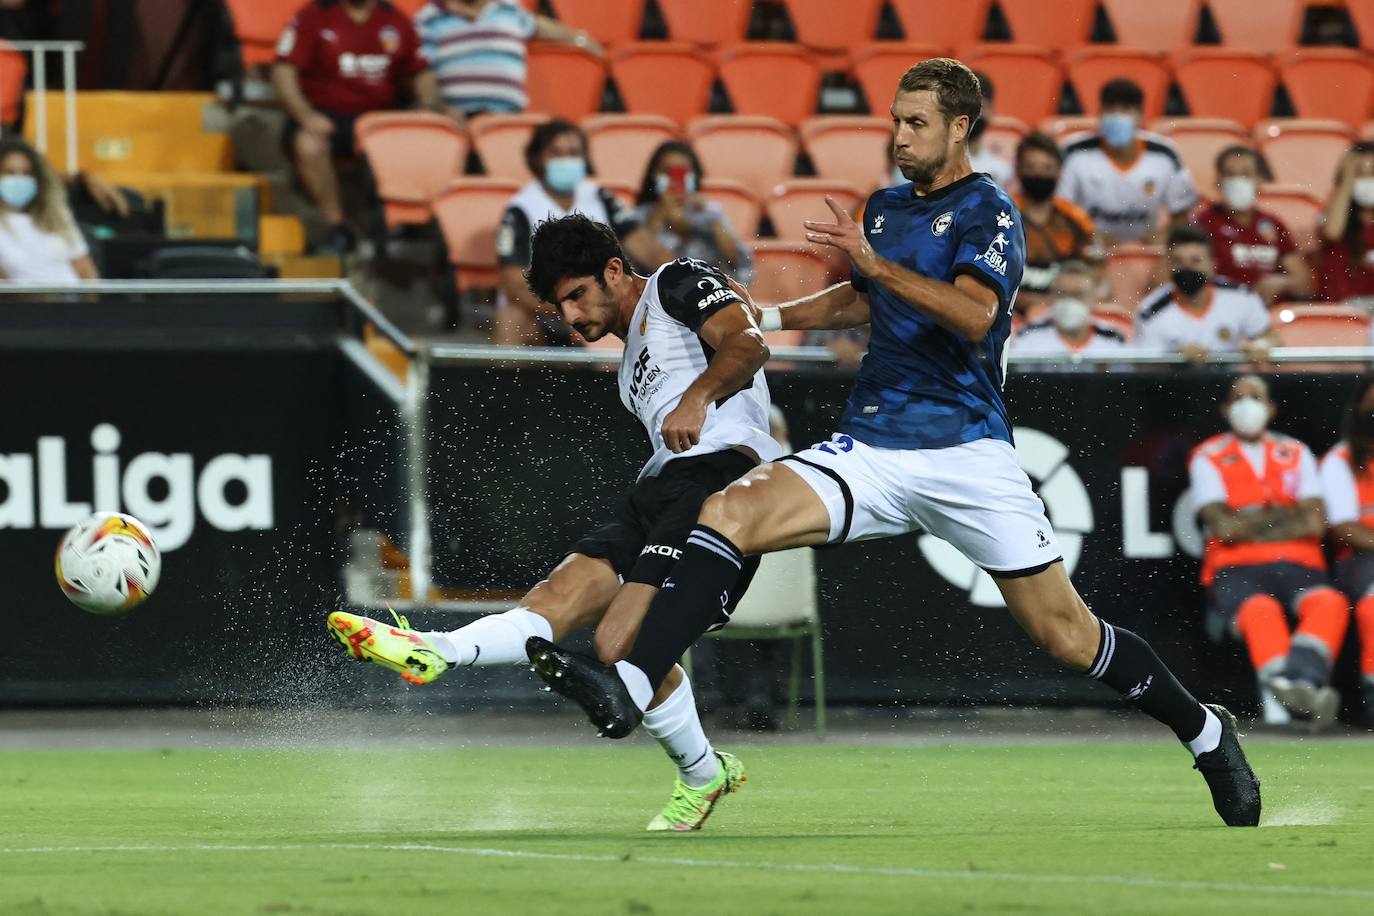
1116, 827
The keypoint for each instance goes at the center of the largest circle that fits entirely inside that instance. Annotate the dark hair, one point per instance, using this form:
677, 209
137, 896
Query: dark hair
985, 85
1121, 93
1361, 450
956, 88
1042, 142
1188, 235
543, 136
570, 246
1241, 150
1354, 230
648, 190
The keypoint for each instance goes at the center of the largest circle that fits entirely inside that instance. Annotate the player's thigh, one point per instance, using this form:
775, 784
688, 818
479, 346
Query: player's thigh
1231, 589
619, 627
575, 594
770, 508
1355, 575
1296, 584
1047, 606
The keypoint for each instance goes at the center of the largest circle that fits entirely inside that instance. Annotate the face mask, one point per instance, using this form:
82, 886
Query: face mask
1189, 281
1364, 192
1070, 314
1118, 129
1247, 416
18, 190
1038, 187
1239, 193
563, 174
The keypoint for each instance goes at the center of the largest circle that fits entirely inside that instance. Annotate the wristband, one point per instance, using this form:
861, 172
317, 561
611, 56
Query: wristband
770, 320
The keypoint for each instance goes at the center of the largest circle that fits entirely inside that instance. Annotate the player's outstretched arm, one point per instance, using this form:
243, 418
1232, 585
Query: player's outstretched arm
740, 352
834, 309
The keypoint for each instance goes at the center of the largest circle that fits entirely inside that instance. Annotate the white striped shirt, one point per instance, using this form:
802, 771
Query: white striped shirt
480, 63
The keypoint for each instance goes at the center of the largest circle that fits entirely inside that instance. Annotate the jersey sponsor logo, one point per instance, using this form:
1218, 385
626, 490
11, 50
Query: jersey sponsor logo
645, 379
662, 550
878, 225
718, 295
941, 224
994, 257
1004, 220
367, 66
1265, 256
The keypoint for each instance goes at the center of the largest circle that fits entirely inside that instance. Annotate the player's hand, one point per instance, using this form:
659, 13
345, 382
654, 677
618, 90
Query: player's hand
844, 234
682, 427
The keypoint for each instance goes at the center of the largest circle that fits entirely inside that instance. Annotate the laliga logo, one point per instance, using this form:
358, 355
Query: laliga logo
171, 516
1044, 458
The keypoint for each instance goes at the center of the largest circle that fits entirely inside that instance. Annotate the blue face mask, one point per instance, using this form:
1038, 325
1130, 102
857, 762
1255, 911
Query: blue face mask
18, 191
563, 174
1118, 129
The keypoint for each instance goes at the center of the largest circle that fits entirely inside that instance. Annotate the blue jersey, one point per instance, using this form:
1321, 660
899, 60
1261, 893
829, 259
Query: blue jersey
922, 386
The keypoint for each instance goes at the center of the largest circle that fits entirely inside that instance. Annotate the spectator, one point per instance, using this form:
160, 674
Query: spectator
1348, 487
1123, 176
1197, 313
1259, 496
1070, 328
1345, 261
997, 166
1249, 245
557, 155
338, 60
478, 47
39, 240
1056, 230
684, 222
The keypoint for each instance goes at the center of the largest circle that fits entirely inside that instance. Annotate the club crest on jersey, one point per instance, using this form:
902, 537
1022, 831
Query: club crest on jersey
390, 39
941, 224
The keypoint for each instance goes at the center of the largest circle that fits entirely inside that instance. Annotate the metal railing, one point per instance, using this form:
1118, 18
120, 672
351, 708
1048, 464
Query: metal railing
39, 50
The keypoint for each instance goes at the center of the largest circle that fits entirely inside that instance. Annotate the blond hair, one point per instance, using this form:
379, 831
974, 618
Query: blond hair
48, 209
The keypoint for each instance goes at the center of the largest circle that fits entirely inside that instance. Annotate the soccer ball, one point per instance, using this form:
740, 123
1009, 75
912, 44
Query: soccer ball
108, 564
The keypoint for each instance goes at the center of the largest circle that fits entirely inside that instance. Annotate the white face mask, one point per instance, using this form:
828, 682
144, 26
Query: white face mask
1239, 193
1364, 192
1070, 314
1248, 416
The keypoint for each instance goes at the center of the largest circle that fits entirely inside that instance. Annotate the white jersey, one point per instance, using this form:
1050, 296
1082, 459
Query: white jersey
1232, 316
1044, 339
1126, 203
1340, 490
664, 356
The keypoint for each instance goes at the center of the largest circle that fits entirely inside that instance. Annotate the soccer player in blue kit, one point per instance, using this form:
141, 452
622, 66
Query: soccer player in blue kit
924, 443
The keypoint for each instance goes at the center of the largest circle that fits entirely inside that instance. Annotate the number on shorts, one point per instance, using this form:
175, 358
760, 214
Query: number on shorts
838, 441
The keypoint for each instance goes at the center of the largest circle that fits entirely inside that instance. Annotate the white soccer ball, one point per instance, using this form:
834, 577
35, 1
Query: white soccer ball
108, 564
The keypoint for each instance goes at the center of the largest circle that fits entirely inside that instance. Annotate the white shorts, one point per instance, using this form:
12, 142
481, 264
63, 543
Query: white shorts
974, 496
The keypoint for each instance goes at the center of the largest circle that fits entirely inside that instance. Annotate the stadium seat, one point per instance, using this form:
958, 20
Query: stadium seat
620, 145
1199, 140
1297, 207
1028, 80
1049, 23
773, 79
469, 212
1258, 25
1362, 15
669, 78
1220, 83
1159, 25
565, 81
1130, 269
784, 271
1091, 68
258, 24
1002, 135
500, 141
804, 198
412, 154
280, 234
829, 26
941, 23
879, 67
709, 23
853, 149
1321, 325
14, 69
611, 22
1336, 83
1060, 127
757, 152
740, 205
1304, 153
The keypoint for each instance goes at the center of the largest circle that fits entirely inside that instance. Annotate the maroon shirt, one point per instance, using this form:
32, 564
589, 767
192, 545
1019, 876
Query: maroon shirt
350, 68
1246, 253
1340, 276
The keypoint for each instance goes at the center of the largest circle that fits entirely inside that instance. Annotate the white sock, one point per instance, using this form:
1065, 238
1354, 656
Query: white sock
497, 639
637, 682
1210, 736
676, 726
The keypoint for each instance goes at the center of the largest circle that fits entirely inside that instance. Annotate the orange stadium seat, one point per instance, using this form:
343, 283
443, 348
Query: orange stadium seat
1028, 80
804, 198
1199, 140
1335, 83
565, 81
1129, 270
1002, 135
258, 24
500, 141
1304, 153
709, 23
610, 22
1049, 23
878, 68
469, 212
1159, 25
740, 205
831, 26
1362, 14
412, 155
669, 78
409, 7
757, 152
1297, 207
620, 145
1321, 325
777, 80
14, 69
788, 270
1091, 68
941, 23
1061, 127
853, 149
1219, 83
1258, 25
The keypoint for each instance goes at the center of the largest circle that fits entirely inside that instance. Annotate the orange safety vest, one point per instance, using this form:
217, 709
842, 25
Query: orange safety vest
1246, 490
1364, 491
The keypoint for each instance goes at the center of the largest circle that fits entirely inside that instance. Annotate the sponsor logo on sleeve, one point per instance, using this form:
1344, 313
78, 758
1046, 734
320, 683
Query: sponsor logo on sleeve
715, 292
994, 257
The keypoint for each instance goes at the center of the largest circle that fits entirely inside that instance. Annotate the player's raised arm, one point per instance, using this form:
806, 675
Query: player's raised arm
834, 309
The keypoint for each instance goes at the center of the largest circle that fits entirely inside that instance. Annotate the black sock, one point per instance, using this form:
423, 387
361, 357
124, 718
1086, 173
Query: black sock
1127, 664
689, 602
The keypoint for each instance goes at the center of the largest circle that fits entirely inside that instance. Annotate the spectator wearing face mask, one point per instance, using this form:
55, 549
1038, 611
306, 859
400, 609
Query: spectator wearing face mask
1259, 495
1070, 329
983, 159
684, 222
39, 240
1250, 245
1056, 230
1128, 180
1198, 313
1345, 261
557, 155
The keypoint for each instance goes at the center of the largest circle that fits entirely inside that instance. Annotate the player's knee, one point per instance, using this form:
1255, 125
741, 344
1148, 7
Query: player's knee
1069, 641
310, 148
725, 513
